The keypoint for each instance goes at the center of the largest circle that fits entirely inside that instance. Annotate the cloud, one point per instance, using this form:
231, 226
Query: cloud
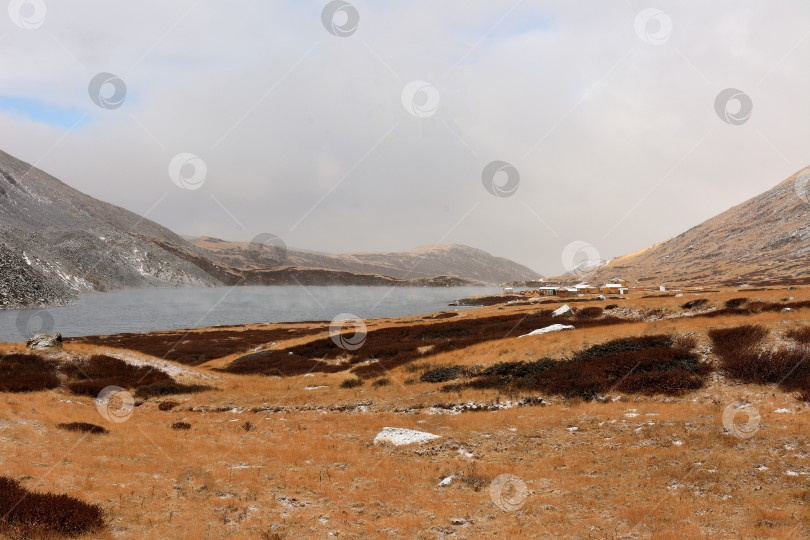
304, 134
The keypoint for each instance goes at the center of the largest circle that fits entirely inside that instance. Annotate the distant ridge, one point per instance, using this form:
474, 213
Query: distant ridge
57, 243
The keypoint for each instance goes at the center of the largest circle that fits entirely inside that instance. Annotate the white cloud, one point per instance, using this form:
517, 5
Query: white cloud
605, 115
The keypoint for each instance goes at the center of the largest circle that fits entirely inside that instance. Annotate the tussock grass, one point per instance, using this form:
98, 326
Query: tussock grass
27, 514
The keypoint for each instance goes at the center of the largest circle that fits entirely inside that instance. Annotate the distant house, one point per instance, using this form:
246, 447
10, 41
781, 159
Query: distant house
508, 290
587, 289
547, 291
615, 288
566, 291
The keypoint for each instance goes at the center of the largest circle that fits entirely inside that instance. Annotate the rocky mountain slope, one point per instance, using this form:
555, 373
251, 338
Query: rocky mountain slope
443, 259
765, 240
56, 243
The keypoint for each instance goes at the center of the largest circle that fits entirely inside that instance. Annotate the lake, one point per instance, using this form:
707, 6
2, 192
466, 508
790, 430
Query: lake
143, 310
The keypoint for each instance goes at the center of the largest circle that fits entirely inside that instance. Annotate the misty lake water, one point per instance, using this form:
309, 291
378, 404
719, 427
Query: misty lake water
143, 310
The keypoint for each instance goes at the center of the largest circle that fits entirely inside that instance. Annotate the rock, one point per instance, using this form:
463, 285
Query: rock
402, 436
600, 297
564, 311
786, 309
45, 341
446, 482
547, 329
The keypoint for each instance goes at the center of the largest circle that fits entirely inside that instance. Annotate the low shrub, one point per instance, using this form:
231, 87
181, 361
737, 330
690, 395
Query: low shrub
169, 388
728, 342
743, 358
83, 427
351, 383
592, 312
394, 346
248, 426
27, 373
182, 426
196, 348
735, 302
28, 514
658, 364
91, 376
611, 306
698, 302
382, 381
802, 335
441, 374
167, 405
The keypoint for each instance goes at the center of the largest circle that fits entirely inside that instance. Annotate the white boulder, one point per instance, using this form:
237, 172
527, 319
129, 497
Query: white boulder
403, 436
563, 311
547, 329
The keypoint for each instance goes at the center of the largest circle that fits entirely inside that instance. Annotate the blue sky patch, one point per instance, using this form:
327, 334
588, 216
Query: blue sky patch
46, 113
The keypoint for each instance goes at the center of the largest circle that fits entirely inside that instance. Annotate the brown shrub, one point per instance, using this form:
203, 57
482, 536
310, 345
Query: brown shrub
91, 376
169, 388
392, 347
183, 426
83, 427
698, 302
167, 405
27, 373
744, 359
194, 348
28, 514
729, 341
646, 365
383, 381
592, 312
351, 383
802, 335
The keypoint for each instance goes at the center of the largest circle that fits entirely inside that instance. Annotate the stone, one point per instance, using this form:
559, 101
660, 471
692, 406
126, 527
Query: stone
45, 341
403, 436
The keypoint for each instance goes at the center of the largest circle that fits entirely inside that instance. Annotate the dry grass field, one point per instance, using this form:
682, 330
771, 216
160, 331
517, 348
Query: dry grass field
275, 451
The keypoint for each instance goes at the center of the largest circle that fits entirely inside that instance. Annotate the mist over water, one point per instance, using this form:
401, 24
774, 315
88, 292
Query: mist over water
143, 310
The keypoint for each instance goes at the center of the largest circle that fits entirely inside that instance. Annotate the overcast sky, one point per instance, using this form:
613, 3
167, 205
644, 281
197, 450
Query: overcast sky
374, 136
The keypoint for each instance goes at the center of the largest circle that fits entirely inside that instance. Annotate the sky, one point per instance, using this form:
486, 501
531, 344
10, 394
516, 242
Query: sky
536, 131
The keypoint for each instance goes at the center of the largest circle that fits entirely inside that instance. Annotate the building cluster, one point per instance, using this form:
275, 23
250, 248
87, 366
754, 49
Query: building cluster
616, 286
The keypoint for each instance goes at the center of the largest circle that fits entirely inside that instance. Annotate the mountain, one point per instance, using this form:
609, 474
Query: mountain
442, 259
765, 241
57, 243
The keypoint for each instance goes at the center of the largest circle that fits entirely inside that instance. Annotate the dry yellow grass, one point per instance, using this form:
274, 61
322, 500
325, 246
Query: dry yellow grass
632, 467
